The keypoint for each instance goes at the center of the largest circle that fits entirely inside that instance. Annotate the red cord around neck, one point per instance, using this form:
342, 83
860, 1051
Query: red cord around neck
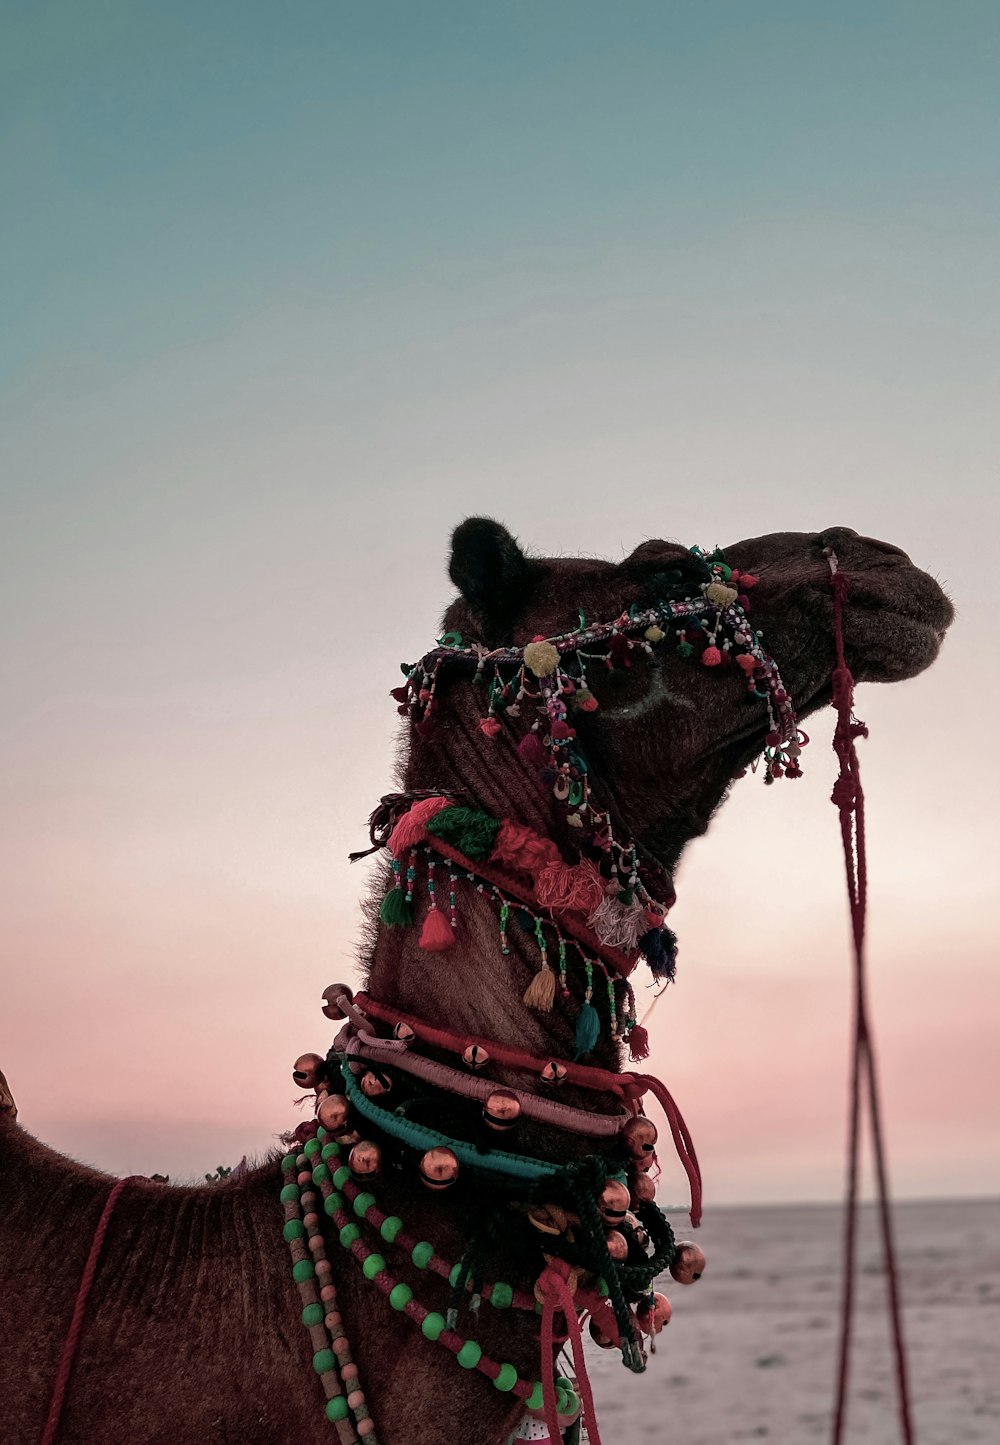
72, 1340
850, 800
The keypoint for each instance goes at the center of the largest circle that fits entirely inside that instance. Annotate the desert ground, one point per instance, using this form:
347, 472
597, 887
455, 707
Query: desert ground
750, 1352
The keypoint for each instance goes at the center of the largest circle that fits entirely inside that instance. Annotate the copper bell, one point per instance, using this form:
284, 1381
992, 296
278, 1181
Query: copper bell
438, 1168
332, 1113
612, 1202
373, 1084
309, 1070
502, 1110
689, 1263
330, 996
403, 1033
652, 1317
475, 1057
617, 1245
553, 1073
365, 1159
643, 1189
639, 1135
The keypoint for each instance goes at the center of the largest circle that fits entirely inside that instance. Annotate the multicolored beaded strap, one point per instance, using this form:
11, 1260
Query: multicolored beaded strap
332, 1358
550, 674
313, 1273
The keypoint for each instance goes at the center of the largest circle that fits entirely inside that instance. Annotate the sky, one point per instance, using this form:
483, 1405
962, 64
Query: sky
288, 292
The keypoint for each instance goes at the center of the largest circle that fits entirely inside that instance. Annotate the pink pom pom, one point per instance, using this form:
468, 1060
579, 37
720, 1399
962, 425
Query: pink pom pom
437, 933
412, 827
747, 662
490, 727
711, 657
521, 847
531, 750
578, 888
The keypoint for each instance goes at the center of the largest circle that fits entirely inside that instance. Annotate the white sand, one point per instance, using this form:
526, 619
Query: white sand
751, 1351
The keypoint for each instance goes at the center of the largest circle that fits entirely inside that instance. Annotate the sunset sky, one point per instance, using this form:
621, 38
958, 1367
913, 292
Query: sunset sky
290, 290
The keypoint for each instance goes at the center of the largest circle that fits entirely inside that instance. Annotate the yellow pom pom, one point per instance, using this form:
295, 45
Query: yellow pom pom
542, 658
654, 633
720, 594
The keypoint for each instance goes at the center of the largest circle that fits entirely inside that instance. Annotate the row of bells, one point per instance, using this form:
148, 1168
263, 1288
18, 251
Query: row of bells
501, 1111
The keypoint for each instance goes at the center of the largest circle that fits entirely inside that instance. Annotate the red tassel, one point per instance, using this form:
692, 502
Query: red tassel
437, 933
531, 750
638, 1044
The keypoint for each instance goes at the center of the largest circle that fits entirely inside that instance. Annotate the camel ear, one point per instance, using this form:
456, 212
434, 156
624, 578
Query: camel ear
490, 570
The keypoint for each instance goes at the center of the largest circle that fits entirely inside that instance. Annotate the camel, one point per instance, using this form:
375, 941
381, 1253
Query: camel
192, 1333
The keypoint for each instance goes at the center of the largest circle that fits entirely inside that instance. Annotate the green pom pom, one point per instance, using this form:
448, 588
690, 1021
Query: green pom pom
303, 1270
363, 1202
349, 1234
330, 1151
373, 1265
332, 1203
313, 1315
534, 1400
507, 1378
321, 1174
470, 830
588, 1029
469, 1355
395, 911
390, 1227
320, 1133
400, 1296
322, 1361
422, 1254
294, 1229
432, 1325
290, 1194
685, 649
336, 1409
501, 1296
288, 1163
341, 1176
310, 1147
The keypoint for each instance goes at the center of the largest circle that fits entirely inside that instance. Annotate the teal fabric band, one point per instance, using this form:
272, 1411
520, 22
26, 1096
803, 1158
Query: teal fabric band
418, 1136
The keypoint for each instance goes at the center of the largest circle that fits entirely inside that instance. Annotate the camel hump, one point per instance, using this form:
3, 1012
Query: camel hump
7, 1106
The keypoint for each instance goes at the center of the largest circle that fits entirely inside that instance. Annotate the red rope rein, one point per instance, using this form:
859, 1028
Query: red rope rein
850, 801
75, 1330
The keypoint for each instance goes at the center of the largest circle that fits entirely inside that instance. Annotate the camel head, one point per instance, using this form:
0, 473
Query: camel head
668, 735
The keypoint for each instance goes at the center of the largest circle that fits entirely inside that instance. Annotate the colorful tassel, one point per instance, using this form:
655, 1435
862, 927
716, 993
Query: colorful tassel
395, 910
588, 1028
437, 933
541, 991
470, 830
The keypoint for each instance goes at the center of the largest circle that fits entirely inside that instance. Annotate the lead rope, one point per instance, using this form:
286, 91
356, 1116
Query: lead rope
850, 800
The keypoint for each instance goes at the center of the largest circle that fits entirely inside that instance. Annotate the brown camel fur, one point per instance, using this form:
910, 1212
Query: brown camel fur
192, 1333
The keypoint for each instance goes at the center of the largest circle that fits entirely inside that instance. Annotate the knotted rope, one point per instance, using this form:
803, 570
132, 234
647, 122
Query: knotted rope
850, 801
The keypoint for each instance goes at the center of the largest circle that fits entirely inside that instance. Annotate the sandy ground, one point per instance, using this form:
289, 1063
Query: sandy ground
750, 1352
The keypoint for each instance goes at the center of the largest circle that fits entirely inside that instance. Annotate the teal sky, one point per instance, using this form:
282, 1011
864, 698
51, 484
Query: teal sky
290, 289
